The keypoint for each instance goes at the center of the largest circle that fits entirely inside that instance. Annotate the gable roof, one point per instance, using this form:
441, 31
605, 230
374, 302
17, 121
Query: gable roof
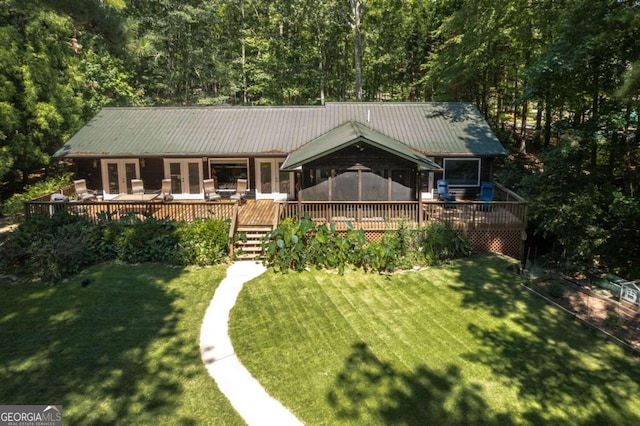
433, 129
348, 134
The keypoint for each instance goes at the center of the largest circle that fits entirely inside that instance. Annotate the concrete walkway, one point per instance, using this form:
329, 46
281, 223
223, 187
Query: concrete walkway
244, 392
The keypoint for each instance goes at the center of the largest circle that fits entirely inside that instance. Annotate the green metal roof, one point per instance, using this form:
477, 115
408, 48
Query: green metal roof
433, 129
348, 134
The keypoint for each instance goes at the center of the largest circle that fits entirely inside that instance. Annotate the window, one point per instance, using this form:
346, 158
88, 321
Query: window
462, 171
226, 172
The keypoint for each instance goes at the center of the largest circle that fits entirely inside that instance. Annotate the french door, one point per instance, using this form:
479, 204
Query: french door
185, 175
117, 175
271, 181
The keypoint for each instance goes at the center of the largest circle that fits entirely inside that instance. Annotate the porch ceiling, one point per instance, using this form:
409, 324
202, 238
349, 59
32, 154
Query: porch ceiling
351, 133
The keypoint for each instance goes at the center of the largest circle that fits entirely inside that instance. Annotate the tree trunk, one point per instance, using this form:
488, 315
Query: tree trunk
243, 60
523, 128
595, 108
320, 66
357, 12
547, 122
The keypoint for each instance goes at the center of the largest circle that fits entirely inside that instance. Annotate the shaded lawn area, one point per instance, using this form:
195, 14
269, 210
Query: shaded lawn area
459, 344
123, 350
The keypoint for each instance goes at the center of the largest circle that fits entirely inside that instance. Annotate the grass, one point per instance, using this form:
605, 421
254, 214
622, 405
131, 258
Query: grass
458, 344
123, 350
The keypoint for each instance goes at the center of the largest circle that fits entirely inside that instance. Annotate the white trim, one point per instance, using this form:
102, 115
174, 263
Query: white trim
275, 179
122, 177
184, 172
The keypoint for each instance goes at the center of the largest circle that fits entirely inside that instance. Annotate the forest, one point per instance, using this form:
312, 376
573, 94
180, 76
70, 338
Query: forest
558, 81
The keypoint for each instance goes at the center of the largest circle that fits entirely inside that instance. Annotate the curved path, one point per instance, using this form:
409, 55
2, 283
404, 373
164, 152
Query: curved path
244, 392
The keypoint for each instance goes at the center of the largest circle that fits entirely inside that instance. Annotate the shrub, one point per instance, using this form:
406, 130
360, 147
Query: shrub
614, 320
202, 242
404, 245
149, 240
297, 245
556, 290
292, 245
440, 242
51, 248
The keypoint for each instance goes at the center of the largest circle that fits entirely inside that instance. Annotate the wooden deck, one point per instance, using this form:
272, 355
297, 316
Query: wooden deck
257, 213
491, 226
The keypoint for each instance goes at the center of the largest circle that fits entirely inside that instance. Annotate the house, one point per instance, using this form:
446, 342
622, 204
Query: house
368, 165
398, 150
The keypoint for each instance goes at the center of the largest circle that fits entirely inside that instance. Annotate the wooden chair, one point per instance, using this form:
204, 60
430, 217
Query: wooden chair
241, 190
137, 186
210, 193
82, 193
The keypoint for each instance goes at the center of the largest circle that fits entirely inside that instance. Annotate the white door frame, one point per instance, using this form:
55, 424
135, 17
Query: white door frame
275, 180
124, 184
184, 191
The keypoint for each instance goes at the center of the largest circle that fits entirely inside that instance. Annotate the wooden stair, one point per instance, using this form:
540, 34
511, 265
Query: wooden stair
251, 248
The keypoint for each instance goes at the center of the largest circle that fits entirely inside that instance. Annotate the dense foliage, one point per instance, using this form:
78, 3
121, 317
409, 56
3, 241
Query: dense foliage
51, 248
558, 81
14, 206
304, 244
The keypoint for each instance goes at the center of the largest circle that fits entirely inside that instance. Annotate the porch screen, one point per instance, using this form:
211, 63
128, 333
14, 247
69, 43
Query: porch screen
345, 186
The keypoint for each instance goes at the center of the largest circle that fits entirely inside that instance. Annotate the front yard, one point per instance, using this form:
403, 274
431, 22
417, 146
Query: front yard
459, 344
121, 350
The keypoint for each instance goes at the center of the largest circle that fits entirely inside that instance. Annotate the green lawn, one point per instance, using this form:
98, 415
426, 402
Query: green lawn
460, 344
123, 350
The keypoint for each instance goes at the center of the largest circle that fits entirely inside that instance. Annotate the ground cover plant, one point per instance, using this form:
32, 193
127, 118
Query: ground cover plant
298, 245
118, 344
459, 343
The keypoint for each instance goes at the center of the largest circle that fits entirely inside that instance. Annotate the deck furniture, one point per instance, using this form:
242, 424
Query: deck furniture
137, 186
165, 192
487, 190
82, 193
241, 190
210, 193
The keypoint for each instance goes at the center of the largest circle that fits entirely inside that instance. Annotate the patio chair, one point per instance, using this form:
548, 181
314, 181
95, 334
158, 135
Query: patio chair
443, 191
82, 193
487, 190
241, 190
210, 193
165, 192
137, 186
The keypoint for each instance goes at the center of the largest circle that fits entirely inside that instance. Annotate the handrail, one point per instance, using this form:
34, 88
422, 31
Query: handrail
383, 214
94, 210
232, 226
509, 193
278, 209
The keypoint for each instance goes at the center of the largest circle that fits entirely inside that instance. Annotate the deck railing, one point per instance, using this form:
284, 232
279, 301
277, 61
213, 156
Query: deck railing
386, 215
97, 210
508, 212
364, 214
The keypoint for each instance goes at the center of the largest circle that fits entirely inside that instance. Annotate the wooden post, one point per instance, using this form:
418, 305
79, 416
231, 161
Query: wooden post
419, 189
359, 211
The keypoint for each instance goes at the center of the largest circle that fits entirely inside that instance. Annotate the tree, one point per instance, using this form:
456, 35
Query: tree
355, 20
